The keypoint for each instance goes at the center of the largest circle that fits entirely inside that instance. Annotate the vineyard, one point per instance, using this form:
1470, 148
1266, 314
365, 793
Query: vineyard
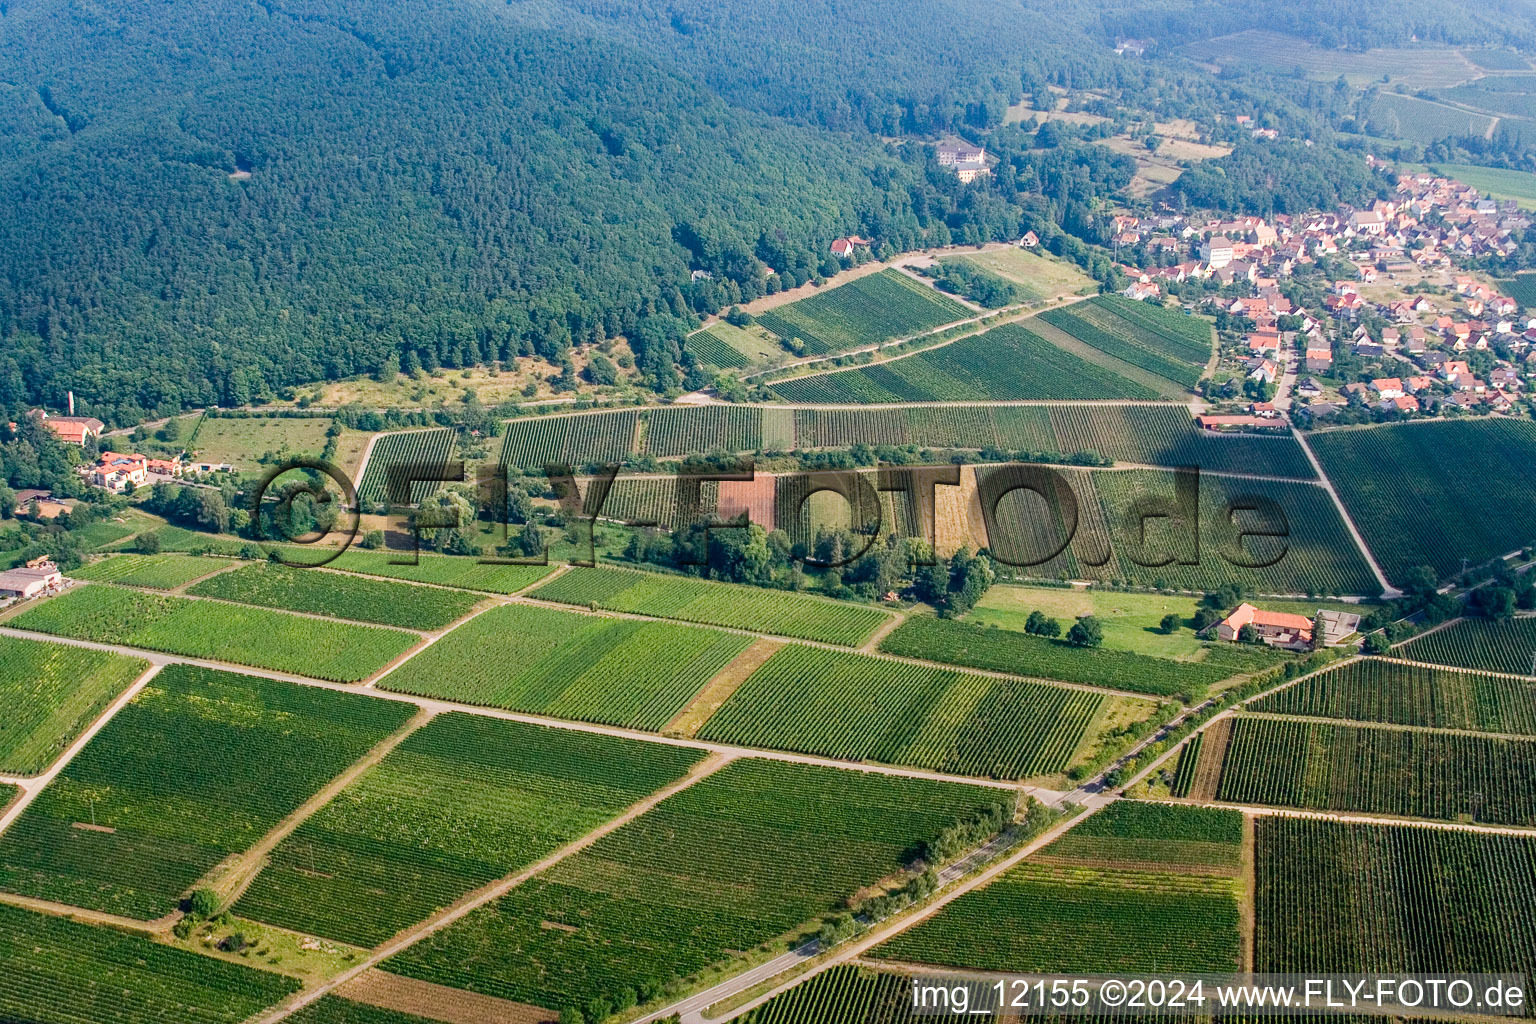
336, 1010
1435, 493
462, 802
1372, 690
840, 995
444, 570
587, 668
197, 767
689, 429
859, 708
662, 500
716, 604
1153, 837
1142, 341
1331, 897
1082, 919
576, 441
1004, 650
258, 637
733, 861
51, 693
1006, 363
426, 452
338, 595
53, 969
867, 311
711, 350
1188, 764
158, 572
1380, 770
1492, 645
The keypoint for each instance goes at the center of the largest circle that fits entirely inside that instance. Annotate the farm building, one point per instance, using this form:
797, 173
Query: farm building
70, 429
1278, 629
30, 580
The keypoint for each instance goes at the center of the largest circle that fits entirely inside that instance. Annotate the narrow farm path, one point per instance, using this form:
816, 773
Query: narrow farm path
233, 563
718, 690
872, 644
1390, 726
1452, 668
1387, 589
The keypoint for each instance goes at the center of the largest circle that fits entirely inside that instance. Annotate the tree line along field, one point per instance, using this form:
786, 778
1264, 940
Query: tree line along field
1380, 770
1333, 898
463, 801
851, 706
1493, 645
443, 570
258, 637
588, 668
1373, 690
55, 969
51, 693
736, 860
1130, 834
338, 595
428, 450
197, 767
715, 604
157, 572
866, 311
1009, 362
1435, 493
1150, 337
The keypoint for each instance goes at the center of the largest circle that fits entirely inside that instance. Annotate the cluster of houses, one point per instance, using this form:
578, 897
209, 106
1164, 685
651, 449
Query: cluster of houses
118, 472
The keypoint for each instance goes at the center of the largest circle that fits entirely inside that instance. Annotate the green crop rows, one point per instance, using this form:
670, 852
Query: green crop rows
347, 597
1006, 363
1503, 645
1039, 918
733, 861
257, 637
584, 667
51, 693
684, 430
336, 1010
1154, 837
867, 311
1435, 493
444, 570
1380, 770
198, 766
853, 706
570, 440
462, 802
1189, 762
159, 572
1144, 344
57, 970
841, 995
645, 500
1335, 898
715, 604
1372, 690
711, 351
427, 450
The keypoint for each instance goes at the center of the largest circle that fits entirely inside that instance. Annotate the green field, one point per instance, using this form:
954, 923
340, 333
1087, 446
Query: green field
57, 971
462, 802
727, 346
1337, 898
715, 604
1169, 343
197, 767
158, 572
425, 452
576, 440
1435, 493
347, 597
1007, 362
852, 706
51, 693
444, 570
1371, 690
736, 860
1497, 182
588, 668
256, 637
1491, 646
1380, 770
1417, 67
1038, 277
839, 995
1153, 837
242, 441
867, 311
1424, 121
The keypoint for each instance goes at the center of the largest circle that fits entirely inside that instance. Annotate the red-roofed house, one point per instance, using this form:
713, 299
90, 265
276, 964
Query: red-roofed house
1278, 629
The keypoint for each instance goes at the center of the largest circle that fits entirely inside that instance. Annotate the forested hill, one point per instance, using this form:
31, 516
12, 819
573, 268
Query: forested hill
449, 177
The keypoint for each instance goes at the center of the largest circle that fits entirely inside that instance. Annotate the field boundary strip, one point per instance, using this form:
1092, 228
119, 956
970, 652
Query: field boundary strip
1356, 723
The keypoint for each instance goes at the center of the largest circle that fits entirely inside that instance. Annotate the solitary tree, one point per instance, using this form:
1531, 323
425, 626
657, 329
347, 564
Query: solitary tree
1086, 632
1171, 623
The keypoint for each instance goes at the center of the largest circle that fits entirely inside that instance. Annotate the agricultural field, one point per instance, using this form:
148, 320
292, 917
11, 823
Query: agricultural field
1038, 277
443, 570
852, 706
197, 767
465, 800
840, 995
1157, 340
1417, 68
249, 443
1372, 690
1491, 646
1333, 898
576, 440
51, 693
724, 866
336, 1010
1380, 770
157, 572
258, 637
1496, 182
1004, 650
588, 668
1009, 362
56, 970
1129, 834
866, 311
715, 604
336, 594
662, 500
1424, 121
1434, 493
680, 430
429, 449
729, 347
1522, 288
